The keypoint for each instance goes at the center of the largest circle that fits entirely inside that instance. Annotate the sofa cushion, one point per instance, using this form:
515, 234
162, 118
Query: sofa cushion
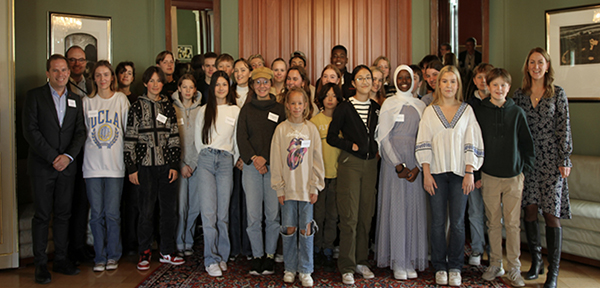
584, 181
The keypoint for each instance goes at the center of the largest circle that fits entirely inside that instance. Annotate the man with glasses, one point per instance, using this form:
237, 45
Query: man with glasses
78, 84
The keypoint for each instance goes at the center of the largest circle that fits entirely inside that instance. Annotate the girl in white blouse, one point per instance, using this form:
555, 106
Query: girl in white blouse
450, 148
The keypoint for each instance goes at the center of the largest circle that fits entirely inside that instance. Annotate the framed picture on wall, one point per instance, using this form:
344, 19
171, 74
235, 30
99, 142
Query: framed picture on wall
92, 33
573, 42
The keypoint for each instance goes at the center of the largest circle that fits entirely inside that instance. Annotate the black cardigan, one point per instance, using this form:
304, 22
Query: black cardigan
347, 120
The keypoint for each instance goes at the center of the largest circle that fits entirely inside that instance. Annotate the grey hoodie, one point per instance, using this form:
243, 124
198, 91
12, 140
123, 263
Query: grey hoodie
186, 119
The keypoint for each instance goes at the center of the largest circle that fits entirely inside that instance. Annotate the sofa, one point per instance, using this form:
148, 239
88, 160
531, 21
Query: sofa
581, 234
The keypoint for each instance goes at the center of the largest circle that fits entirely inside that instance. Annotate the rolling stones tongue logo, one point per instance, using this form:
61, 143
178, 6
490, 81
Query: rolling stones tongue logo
295, 153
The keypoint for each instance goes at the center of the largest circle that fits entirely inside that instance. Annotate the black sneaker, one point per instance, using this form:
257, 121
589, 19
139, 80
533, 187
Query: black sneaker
256, 267
268, 266
319, 259
42, 276
65, 267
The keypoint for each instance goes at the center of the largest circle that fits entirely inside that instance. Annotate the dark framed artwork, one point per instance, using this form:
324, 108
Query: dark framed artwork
92, 33
573, 42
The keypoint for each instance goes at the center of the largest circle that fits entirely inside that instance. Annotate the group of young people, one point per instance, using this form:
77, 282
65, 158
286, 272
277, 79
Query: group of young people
302, 161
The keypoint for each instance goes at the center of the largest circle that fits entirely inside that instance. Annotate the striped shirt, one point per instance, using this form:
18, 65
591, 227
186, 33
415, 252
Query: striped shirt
362, 108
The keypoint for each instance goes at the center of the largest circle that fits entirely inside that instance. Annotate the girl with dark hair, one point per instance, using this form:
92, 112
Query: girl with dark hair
325, 210
356, 119
545, 190
152, 154
215, 140
125, 77
186, 101
103, 167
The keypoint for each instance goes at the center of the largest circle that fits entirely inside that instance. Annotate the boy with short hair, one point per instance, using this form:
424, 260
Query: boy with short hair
225, 63
509, 151
209, 68
476, 207
418, 80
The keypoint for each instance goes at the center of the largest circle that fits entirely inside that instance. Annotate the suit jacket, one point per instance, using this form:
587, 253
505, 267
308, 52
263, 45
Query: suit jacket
46, 138
463, 55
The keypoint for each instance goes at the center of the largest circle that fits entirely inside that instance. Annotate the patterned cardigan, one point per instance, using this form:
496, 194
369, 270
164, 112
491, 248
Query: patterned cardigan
152, 135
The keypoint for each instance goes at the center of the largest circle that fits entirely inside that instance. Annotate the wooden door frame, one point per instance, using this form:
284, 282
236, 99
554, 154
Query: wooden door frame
194, 5
434, 11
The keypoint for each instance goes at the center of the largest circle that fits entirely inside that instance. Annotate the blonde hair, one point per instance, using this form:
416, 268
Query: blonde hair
548, 76
389, 77
306, 113
437, 94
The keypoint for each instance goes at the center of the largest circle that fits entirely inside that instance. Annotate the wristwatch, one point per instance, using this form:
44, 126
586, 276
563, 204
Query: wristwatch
403, 167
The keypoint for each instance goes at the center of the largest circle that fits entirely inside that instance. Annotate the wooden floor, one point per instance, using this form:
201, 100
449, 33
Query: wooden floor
572, 275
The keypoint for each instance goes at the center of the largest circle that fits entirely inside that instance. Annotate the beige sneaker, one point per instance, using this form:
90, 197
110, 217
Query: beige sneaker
492, 272
348, 278
364, 271
516, 280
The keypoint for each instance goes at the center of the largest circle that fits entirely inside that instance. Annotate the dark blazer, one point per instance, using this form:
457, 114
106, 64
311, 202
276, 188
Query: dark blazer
46, 138
463, 55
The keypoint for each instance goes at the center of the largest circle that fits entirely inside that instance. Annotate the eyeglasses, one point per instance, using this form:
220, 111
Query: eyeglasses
74, 60
361, 79
261, 82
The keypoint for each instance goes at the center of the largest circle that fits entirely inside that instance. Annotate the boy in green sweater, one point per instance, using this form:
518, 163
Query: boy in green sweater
509, 151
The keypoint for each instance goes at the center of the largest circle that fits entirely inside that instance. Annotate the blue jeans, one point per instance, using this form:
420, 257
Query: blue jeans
258, 192
477, 221
297, 250
215, 172
104, 195
189, 209
448, 194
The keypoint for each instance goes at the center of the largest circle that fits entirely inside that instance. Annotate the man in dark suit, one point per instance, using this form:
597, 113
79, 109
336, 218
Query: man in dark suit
470, 58
53, 126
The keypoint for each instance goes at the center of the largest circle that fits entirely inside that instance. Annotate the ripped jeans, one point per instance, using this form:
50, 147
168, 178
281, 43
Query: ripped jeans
298, 248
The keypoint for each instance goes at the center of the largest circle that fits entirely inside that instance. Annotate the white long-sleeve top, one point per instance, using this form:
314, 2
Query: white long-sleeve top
297, 168
449, 147
105, 120
223, 132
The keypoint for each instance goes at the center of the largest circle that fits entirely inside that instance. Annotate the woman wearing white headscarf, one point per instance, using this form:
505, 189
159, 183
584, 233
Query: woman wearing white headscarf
402, 220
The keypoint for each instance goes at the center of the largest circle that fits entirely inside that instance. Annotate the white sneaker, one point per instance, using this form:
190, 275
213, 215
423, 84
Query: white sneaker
475, 259
278, 258
441, 278
214, 270
454, 278
411, 273
400, 274
99, 267
516, 280
348, 278
112, 264
365, 271
492, 272
223, 266
289, 277
307, 281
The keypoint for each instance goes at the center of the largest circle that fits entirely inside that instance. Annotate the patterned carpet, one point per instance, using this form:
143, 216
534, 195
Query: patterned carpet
192, 274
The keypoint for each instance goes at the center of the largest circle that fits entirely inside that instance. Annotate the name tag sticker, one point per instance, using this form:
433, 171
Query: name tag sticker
230, 121
92, 113
305, 144
161, 118
72, 103
181, 121
273, 117
400, 118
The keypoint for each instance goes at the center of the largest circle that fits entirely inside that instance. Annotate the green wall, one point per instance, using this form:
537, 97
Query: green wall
516, 27
230, 28
138, 34
421, 30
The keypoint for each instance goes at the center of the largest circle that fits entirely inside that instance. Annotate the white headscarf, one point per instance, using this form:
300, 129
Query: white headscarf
392, 106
